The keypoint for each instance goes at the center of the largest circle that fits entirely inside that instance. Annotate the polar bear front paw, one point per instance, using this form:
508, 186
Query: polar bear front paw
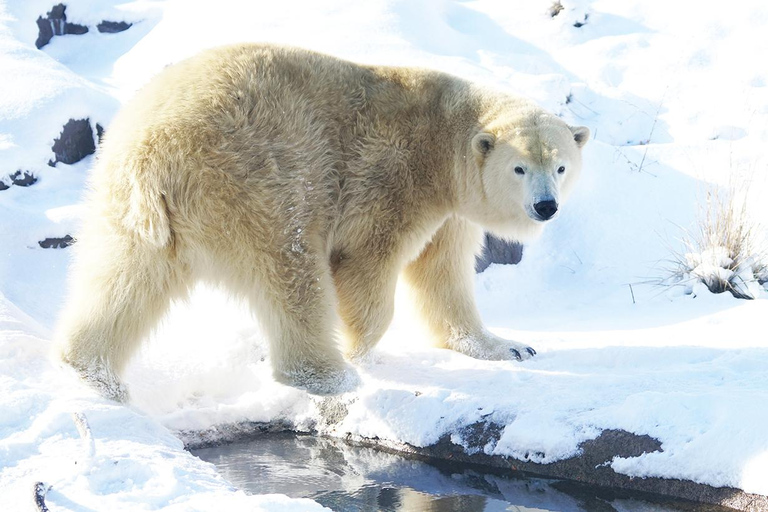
319, 380
490, 347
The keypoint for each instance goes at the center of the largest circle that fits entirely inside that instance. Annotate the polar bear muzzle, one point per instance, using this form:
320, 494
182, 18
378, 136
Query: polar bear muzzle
545, 209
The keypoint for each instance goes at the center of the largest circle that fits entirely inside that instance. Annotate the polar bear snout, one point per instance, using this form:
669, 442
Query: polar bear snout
545, 210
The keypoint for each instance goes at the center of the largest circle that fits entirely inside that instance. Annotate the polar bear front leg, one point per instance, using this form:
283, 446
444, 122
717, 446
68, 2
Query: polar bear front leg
295, 307
365, 287
441, 281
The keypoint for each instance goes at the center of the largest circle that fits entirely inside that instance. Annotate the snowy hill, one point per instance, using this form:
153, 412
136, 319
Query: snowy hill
678, 105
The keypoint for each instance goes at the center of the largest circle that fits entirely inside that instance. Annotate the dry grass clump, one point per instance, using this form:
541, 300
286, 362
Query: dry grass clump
555, 9
727, 252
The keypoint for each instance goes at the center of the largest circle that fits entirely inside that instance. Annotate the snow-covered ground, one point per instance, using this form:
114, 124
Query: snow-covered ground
677, 103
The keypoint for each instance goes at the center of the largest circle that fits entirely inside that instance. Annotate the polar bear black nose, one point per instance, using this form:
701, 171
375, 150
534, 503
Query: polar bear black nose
546, 209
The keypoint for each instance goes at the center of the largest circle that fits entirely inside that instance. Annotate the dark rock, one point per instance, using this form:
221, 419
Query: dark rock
44, 32
74, 143
55, 24
479, 435
24, 179
58, 13
112, 27
592, 467
498, 251
99, 132
57, 243
580, 24
19, 178
74, 28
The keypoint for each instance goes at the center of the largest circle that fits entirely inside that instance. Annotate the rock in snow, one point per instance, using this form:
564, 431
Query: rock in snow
55, 24
74, 143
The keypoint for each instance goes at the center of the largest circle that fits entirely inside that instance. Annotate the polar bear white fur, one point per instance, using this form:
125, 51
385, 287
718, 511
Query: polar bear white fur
306, 184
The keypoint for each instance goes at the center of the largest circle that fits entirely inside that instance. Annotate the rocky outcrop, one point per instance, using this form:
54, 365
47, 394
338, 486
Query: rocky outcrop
74, 143
57, 243
112, 27
591, 466
20, 179
99, 133
496, 250
55, 24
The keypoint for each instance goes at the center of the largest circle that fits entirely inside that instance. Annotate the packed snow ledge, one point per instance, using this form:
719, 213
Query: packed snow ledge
692, 388
117, 458
676, 375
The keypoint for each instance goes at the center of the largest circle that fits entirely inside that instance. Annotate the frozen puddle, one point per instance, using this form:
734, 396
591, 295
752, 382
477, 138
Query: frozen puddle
346, 478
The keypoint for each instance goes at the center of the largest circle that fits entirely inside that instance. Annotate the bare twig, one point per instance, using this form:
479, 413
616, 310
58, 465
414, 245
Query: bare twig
634, 165
584, 105
653, 128
577, 257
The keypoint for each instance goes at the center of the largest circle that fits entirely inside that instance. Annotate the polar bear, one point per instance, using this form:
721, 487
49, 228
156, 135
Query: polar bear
306, 185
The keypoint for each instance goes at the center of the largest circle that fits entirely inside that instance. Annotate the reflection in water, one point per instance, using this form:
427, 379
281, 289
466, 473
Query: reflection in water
345, 478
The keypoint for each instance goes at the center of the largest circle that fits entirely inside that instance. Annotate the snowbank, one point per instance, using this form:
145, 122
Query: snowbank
129, 462
674, 107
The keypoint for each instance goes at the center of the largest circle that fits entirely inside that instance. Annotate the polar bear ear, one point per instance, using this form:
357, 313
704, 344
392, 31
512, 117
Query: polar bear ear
482, 144
580, 135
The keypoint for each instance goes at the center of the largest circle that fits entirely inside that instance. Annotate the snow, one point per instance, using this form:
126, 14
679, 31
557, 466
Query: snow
676, 107
129, 462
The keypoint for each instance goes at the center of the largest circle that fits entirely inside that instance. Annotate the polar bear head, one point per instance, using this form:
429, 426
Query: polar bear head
527, 168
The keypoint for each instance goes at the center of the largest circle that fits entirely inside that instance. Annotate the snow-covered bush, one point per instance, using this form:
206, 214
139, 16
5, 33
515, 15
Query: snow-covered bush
574, 12
727, 252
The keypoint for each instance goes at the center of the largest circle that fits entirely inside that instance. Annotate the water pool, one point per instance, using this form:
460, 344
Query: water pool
346, 478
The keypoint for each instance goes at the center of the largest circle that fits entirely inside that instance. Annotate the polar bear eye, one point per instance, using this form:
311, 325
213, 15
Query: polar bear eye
561, 170
519, 170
